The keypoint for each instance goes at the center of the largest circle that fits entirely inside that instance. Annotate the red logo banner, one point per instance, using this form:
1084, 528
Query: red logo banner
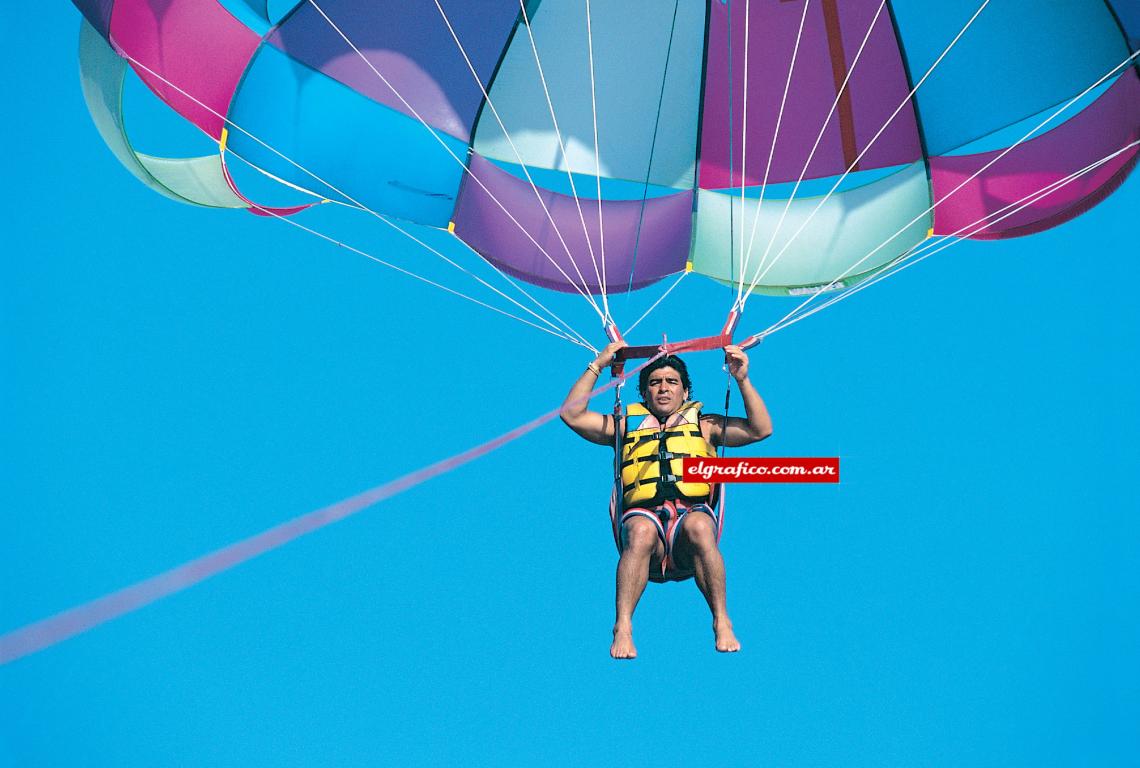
751, 469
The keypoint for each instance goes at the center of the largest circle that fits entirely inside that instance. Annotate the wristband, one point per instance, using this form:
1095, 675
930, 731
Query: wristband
591, 367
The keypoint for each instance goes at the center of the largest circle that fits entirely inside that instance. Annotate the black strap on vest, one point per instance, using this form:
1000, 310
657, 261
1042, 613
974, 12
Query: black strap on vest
662, 435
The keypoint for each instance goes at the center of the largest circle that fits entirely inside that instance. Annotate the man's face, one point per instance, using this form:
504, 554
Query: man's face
664, 393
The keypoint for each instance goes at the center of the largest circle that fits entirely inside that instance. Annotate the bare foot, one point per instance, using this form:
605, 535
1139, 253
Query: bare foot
622, 647
726, 641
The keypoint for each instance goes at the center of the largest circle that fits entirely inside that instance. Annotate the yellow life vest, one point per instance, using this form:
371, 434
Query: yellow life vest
651, 455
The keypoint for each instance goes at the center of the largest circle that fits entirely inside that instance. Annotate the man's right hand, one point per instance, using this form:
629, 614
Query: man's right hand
608, 354
595, 427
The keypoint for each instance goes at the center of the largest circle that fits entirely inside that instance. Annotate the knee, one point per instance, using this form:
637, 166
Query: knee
700, 530
640, 535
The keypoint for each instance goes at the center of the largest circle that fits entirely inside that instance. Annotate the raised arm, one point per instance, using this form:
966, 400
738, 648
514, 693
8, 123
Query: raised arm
757, 424
595, 427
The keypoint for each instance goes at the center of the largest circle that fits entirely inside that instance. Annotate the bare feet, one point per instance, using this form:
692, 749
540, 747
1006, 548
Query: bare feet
622, 647
726, 641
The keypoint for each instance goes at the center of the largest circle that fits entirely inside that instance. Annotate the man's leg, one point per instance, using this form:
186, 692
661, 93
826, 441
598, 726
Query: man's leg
641, 544
697, 543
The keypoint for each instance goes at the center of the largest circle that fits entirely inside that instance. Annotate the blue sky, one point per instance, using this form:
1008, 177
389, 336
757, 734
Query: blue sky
173, 379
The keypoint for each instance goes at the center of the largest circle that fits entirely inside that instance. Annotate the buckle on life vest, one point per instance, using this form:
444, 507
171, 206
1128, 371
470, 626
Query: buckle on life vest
667, 479
665, 456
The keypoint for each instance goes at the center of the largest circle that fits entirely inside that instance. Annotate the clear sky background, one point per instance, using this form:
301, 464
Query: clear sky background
173, 379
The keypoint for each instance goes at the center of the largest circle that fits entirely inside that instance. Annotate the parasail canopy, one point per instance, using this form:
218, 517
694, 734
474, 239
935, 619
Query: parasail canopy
786, 146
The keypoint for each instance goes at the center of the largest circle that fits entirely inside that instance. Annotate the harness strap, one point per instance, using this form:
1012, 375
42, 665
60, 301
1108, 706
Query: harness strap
663, 456
660, 479
619, 440
718, 490
637, 442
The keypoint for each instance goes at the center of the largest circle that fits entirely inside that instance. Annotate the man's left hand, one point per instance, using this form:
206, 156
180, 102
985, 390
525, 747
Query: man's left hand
737, 362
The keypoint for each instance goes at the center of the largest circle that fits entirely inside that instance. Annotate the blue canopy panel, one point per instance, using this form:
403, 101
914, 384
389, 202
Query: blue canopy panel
98, 13
395, 166
252, 13
1128, 14
403, 54
1018, 58
261, 15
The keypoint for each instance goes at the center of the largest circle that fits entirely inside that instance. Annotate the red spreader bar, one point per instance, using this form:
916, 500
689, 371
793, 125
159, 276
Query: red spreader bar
666, 347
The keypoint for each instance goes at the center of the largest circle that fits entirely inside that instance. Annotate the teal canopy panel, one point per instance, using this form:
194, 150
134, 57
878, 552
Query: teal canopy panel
842, 237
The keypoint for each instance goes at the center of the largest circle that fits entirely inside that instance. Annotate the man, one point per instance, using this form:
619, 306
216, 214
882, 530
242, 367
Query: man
667, 529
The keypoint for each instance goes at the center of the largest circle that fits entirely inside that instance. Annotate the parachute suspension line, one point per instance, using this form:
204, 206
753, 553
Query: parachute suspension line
871, 143
724, 416
801, 312
49, 631
721, 449
526, 293
597, 165
561, 143
507, 135
579, 289
652, 150
737, 304
970, 178
355, 203
760, 275
659, 300
819, 137
730, 143
954, 238
619, 436
552, 330
231, 124
566, 328
747, 252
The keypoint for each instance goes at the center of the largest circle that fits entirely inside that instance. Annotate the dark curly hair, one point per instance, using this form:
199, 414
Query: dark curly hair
669, 361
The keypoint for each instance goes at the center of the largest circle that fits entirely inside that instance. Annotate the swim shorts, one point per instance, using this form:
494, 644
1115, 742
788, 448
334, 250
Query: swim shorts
667, 518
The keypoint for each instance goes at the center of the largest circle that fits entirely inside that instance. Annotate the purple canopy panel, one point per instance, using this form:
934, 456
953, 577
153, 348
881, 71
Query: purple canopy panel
831, 38
651, 246
194, 46
1104, 127
98, 13
409, 44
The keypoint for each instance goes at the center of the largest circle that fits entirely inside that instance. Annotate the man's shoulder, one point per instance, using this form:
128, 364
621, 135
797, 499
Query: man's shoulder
711, 425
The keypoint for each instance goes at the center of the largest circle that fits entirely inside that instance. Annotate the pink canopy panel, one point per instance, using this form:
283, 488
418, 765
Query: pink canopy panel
190, 53
965, 193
